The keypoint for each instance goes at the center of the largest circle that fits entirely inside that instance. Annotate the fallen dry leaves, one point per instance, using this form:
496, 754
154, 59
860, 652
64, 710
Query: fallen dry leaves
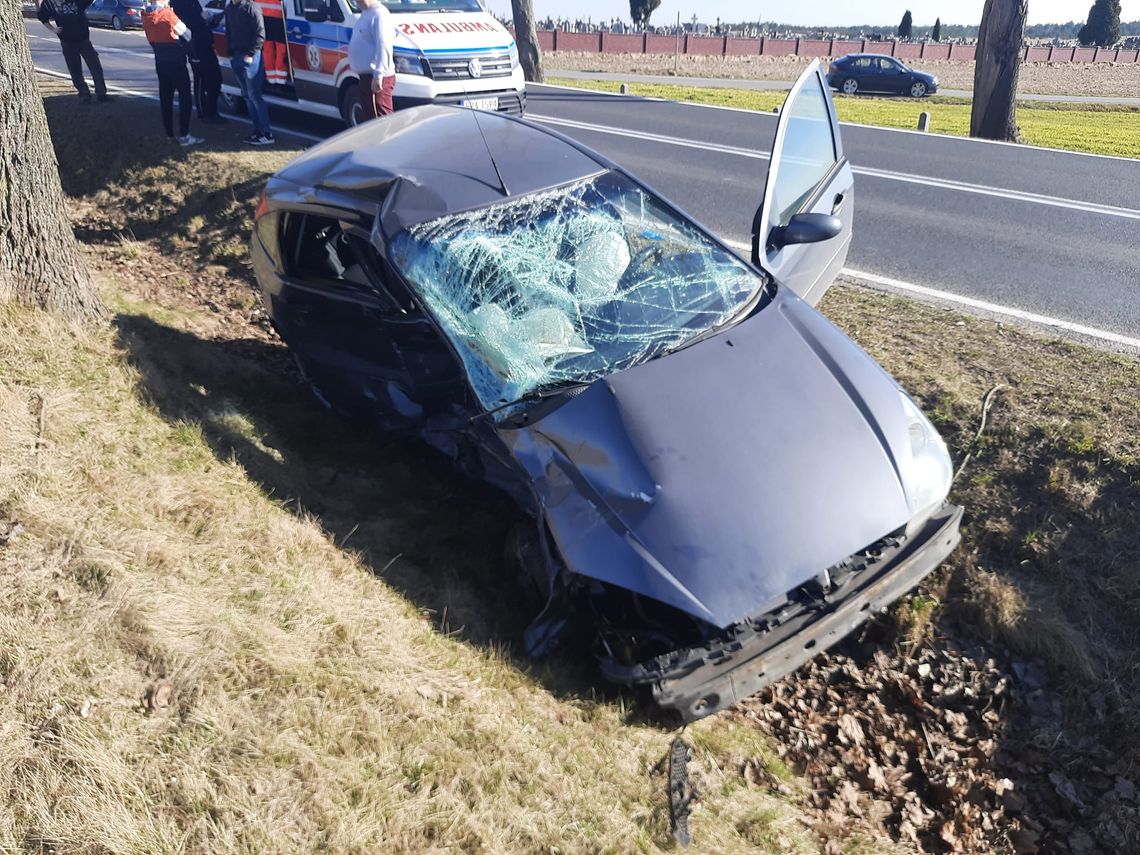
936, 749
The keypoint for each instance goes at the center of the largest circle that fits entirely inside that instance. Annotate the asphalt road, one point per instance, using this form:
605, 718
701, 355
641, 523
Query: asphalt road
783, 85
1028, 230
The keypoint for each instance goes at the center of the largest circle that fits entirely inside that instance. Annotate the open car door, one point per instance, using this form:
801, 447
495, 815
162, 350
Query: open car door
802, 231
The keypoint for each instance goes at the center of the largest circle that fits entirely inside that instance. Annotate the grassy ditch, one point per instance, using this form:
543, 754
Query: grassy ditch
232, 622
1092, 128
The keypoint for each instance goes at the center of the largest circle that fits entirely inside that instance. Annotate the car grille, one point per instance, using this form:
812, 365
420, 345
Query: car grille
458, 66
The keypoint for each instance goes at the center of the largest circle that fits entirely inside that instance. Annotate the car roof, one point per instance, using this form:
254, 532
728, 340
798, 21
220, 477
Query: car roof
868, 56
438, 160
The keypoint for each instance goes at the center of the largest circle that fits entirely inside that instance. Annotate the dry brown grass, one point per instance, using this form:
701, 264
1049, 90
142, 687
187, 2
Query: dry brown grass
1050, 566
311, 707
328, 608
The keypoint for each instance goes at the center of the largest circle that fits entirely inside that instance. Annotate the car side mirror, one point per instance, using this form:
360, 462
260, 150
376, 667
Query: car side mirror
805, 228
316, 11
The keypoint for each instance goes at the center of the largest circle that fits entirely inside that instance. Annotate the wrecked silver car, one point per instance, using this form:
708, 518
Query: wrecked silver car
722, 483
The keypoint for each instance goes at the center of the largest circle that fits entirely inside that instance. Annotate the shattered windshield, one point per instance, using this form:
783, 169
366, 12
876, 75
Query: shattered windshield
562, 287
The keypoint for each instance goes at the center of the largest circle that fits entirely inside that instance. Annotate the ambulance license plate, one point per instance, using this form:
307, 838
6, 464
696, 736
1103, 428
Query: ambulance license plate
481, 103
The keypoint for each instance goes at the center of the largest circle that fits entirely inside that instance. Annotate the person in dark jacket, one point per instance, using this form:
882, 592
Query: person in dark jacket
245, 34
203, 60
169, 39
68, 20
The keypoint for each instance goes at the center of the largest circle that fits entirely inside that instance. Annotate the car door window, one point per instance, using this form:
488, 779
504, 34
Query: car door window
321, 254
862, 64
888, 67
808, 154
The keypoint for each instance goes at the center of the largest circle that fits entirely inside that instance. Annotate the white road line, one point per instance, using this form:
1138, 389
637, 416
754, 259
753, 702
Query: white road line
899, 286
99, 48
884, 174
928, 135
994, 308
134, 93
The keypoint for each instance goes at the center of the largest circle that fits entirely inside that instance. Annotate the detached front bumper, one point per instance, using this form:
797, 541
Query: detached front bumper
701, 681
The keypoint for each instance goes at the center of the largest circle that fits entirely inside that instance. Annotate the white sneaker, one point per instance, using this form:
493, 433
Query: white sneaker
190, 140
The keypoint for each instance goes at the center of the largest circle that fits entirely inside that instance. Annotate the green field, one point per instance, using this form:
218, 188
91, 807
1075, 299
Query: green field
1092, 128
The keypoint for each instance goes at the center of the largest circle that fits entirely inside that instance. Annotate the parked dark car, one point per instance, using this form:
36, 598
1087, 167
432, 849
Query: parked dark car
872, 72
116, 14
721, 483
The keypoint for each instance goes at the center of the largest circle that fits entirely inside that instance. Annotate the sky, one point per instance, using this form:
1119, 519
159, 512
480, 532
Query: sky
816, 13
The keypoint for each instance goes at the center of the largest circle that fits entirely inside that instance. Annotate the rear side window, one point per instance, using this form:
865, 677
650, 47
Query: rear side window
862, 63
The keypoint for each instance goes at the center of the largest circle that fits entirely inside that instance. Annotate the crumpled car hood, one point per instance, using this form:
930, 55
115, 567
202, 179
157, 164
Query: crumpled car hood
720, 477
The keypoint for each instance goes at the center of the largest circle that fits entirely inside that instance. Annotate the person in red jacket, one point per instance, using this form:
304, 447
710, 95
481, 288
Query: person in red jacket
169, 39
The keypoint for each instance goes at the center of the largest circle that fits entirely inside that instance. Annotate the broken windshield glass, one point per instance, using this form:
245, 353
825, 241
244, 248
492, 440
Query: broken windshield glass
565, 286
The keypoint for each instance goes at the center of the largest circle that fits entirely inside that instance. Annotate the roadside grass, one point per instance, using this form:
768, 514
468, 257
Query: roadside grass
235, 623
212, 643
1092, 128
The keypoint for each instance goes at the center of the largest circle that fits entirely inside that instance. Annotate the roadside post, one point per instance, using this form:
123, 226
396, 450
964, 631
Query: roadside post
677, 49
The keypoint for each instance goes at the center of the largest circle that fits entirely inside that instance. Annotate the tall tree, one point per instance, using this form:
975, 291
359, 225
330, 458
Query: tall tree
936, 33
997, 61
640, 10
526, 38
40, 263
906, 25
1103, 26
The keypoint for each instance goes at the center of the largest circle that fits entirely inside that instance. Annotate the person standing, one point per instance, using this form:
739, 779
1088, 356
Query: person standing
203, 60
168, 38
245, 34
370, 57
68, 20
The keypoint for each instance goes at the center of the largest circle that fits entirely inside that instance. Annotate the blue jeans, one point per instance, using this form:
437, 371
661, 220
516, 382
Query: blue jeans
250, 79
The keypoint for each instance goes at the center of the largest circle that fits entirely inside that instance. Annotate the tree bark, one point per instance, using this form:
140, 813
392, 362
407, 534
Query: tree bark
997, 62
40, 263
526, 38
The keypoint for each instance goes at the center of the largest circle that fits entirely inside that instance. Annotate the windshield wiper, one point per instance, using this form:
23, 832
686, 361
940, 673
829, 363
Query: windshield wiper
535, 397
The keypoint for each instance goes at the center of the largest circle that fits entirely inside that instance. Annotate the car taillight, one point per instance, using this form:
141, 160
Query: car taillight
262, 207
132, 12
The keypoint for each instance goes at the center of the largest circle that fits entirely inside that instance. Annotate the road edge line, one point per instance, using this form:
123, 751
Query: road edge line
134, 93
927, 134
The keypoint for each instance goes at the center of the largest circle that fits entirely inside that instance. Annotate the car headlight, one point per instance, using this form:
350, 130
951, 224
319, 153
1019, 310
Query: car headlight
926, 467
514, 56
406, 64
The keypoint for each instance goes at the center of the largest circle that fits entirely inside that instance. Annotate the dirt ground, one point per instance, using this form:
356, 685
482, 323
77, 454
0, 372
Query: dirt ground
1039, 78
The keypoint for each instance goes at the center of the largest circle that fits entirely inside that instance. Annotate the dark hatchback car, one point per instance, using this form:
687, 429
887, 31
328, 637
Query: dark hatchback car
116, 14
721, 483
872, 72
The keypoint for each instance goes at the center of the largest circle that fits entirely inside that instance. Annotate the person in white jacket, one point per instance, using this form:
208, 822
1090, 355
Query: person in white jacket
370, 57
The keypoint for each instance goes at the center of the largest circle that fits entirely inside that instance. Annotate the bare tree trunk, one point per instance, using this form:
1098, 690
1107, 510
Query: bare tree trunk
996, 65
526, 37
40, 263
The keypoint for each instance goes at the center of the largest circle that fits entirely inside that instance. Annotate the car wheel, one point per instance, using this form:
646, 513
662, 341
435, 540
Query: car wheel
351, 110
850, 86
234, 104
116, 23
917, 89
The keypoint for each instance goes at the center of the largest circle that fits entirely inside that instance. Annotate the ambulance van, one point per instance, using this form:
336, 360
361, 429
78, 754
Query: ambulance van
446, 52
